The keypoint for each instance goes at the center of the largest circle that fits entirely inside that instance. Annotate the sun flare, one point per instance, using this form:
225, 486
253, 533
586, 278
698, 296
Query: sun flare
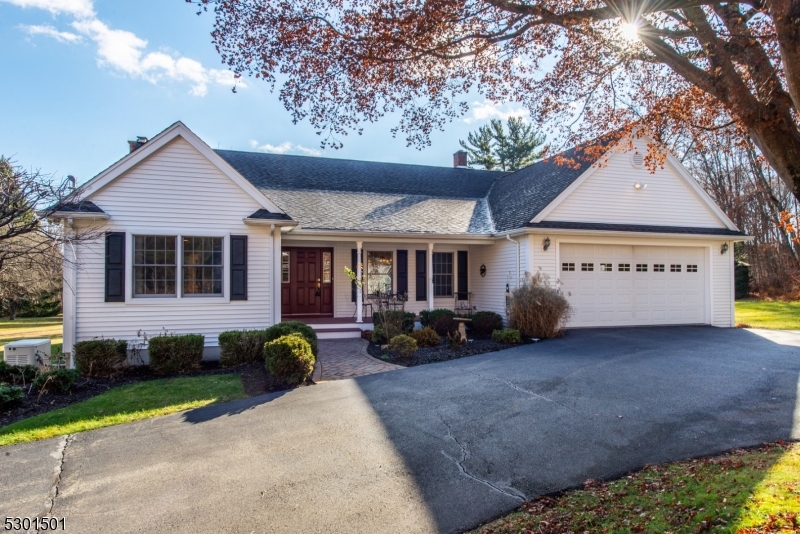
630, 31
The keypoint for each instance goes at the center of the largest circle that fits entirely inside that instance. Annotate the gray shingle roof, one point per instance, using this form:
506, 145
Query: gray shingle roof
516, 198
337, 194
85, 206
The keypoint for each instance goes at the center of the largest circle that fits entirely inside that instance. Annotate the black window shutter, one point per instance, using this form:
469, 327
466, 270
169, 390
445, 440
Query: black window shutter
354, 267
463, 284
402, 271
115, 267
422, 283
239, 267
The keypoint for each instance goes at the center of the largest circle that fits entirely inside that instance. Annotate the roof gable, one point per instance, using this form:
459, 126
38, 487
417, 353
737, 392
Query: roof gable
605, 194
153, 146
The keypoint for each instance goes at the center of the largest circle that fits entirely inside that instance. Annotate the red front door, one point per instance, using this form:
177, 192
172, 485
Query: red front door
309, 288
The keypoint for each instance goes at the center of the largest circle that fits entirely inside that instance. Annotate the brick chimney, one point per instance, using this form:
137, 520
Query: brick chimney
460, 159
133, 145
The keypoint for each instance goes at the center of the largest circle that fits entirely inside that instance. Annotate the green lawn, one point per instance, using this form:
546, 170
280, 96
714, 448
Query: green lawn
33, 327
742, 492
126, 404
775, 314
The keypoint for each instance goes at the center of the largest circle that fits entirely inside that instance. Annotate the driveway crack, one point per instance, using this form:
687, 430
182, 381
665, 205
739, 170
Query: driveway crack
507, 491
59, 455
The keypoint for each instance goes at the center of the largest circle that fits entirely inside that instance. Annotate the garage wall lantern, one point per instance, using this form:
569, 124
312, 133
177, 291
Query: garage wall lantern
639, 185
724, 248
546, 244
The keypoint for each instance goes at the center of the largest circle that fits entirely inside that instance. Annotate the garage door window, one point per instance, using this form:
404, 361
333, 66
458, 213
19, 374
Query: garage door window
567, 266
606, 267
658, 267
675, 268
624, 267
691, 268
587, 266
641, 267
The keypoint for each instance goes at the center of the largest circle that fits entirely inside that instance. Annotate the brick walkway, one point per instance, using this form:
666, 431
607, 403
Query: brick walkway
347, 358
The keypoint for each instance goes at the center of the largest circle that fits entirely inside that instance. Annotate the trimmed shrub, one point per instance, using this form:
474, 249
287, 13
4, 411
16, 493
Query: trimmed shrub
445, 325
426, 337
366, 334
428, 317
403, 346
294, 327
507, 335
239, 347
175, 354
100, 357
10, 395
18, 374
537, 309
485, 322
57, 381
378, 336
290, 358
394, 322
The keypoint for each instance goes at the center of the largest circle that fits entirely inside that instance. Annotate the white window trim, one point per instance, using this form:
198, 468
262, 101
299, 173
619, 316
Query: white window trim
179, 298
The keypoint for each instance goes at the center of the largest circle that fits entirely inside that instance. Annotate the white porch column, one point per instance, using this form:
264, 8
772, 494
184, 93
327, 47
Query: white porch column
430, 276
359, 288
276, 275
69, 298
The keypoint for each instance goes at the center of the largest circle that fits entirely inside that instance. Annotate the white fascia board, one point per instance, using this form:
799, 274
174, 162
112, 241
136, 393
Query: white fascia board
160, 141
621, 233
269, 222
58, 215
388, 237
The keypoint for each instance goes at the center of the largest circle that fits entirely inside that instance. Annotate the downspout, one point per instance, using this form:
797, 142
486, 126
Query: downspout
516, 281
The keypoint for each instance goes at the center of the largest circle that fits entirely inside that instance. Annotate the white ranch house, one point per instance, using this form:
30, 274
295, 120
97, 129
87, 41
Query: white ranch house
202, 241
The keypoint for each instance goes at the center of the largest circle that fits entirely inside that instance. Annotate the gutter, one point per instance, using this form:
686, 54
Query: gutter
508, 236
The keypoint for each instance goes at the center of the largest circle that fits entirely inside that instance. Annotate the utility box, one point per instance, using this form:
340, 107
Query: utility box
27, 352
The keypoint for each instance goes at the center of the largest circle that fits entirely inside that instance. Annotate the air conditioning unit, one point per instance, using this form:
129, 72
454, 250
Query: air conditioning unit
27, 352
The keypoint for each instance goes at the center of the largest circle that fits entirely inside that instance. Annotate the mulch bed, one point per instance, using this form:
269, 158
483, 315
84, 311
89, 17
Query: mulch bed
441, 353
255, 380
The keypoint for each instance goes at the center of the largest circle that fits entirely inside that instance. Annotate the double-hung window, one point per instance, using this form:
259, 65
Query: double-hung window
442, 274
154, 266
202, 266
161, 269
379, 272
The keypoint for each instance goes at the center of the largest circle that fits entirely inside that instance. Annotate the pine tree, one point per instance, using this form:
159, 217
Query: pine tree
491, 146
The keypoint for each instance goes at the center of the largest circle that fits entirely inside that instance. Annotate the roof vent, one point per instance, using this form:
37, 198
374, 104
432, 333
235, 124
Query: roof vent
637, 160
133, 145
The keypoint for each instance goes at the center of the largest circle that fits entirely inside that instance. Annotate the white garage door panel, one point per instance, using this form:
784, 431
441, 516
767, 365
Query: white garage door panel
620, 297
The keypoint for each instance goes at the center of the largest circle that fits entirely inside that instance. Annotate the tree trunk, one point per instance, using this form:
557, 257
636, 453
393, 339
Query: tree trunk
780, 145
12, 309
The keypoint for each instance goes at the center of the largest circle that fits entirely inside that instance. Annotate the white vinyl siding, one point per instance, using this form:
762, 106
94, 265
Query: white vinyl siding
176, 190
608, 196
722, 286
489, 292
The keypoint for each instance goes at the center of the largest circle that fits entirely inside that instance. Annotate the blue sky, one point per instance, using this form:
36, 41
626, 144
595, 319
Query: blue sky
84, 76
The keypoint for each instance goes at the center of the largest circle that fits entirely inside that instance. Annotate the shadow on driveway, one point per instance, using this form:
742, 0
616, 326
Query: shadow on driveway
228, 409
482, 434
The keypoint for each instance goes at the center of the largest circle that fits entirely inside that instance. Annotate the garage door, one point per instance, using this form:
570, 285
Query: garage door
609, 285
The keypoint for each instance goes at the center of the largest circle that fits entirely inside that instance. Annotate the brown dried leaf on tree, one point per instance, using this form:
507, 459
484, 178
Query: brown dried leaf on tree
580, 68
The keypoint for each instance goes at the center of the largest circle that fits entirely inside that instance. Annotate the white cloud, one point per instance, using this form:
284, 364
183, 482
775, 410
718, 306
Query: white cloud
76, 8
285, 148
124, 51
484, 111
49, 31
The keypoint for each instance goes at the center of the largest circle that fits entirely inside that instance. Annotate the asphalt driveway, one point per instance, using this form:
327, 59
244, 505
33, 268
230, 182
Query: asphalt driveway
436, 448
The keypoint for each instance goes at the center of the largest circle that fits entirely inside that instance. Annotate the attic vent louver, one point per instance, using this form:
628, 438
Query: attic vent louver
637, 160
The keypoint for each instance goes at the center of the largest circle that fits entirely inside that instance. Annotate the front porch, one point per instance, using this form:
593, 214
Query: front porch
445, 273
